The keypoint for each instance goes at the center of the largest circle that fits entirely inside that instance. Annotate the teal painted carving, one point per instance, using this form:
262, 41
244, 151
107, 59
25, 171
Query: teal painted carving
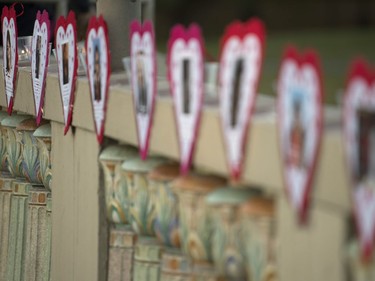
14, 153
3, 145
141, 207
227, 249
166, 224
30, 161
257, 236
13, 144
43, 137
116, 191
30, 151
195, 222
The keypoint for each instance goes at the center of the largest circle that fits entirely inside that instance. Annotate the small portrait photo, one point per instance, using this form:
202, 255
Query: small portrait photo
37, 56
8, 54
236, 93
186, 86
296, 135
142, 84
97, 76
366, 146
65, 61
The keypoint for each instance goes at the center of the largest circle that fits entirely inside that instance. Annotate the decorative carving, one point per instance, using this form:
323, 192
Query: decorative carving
43, 137
3, 145
195, 222
227, 249
257, 236
13, 148
141, 209
165, 202
116, 191
30, 151
14, 144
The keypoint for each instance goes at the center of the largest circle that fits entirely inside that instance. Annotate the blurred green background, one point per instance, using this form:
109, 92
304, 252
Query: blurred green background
339, 30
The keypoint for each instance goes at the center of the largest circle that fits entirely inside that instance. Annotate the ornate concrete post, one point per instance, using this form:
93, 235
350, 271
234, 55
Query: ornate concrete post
195, 222
43, 137
174, 264
30, 171
227, 249
122, 238
258, 238
11, 151
38, 238
142, 216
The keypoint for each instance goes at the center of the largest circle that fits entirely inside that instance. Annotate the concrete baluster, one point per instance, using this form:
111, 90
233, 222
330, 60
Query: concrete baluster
38, 237
11, 151
121, 236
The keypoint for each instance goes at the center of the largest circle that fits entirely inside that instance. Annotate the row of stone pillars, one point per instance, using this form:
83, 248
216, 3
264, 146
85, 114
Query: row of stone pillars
167, 227
25, 199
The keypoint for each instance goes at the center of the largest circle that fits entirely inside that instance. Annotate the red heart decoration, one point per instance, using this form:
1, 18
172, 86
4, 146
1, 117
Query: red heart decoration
185, 73
98, 70
39, 60
66, 52
241, 57
10, 54
300, 118
359, 140
143, 70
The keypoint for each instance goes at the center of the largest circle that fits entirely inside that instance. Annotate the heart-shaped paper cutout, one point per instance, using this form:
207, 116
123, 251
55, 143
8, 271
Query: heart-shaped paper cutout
241, 56
66, 53
185, 73
98, 70
10, 54
359, 137
143, 70
300, 117
39, 60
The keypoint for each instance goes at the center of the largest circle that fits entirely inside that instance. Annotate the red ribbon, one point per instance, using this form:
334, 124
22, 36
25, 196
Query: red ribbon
23, 9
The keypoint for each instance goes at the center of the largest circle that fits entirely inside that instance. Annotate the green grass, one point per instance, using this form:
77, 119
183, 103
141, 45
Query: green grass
336, 47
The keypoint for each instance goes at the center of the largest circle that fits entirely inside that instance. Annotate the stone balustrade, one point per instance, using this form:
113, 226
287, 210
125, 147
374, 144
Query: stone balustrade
26, 199
166, 227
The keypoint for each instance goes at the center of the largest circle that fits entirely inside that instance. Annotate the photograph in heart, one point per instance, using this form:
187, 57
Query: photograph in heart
359, 140
39, 60
10, 54
66, 54
98, 70
186, 77
299, 115
143, 78
241, 58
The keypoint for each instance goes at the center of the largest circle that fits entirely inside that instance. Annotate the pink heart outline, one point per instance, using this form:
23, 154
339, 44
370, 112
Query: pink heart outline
42, 18
178, 32
137, 28
10, 13
309, 58
94, 24
64, 23
363, 196
239, 30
